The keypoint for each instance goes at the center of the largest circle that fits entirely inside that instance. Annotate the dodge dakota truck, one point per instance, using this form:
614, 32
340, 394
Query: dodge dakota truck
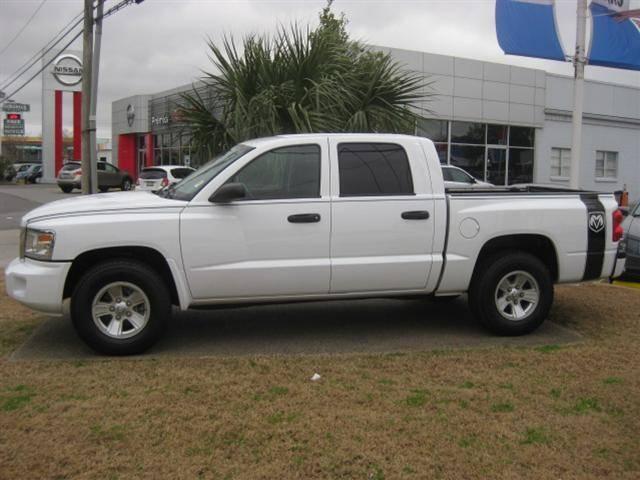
309, 217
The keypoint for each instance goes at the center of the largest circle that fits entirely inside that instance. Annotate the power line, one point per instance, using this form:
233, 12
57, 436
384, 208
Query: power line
111, 11
39, 71
41, 53
23, 27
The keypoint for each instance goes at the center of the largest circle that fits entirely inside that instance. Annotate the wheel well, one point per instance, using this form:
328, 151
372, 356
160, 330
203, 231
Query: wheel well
536, 245
149, 256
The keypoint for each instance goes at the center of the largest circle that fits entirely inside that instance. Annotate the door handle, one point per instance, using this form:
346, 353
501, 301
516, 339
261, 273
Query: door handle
304, 218
415, 215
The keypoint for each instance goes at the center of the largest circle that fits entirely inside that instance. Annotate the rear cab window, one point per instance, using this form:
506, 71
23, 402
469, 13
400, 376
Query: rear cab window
70, 166
368, 169
153, 174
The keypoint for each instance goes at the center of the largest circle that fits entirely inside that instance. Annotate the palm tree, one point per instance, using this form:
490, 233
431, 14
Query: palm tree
298, 81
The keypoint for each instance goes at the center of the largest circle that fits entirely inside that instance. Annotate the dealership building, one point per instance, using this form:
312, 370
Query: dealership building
502, 123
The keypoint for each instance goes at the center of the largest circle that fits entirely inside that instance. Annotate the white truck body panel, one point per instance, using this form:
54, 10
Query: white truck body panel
247, 251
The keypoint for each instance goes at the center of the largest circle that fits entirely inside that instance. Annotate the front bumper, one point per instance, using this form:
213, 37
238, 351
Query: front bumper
38, 285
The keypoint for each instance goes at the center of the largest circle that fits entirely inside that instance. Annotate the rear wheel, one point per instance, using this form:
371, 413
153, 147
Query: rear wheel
126, 184
66, 188
103, 189
120, 307
511, 293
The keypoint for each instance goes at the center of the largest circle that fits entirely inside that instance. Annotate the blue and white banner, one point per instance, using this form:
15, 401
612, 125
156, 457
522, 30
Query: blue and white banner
615, 38
528, 28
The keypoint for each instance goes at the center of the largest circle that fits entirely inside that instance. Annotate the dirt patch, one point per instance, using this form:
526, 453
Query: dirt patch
530, 412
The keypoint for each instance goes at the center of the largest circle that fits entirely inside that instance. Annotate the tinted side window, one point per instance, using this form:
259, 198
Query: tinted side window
446, 174
288, 172
373, 169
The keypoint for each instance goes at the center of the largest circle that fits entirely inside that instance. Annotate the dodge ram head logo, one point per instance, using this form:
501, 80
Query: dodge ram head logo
596, 222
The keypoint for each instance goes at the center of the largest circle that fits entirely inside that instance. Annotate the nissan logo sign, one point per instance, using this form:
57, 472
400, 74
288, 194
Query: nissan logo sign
131, 115
67, 69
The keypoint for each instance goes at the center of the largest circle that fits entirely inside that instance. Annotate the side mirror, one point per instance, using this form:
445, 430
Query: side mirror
229, 192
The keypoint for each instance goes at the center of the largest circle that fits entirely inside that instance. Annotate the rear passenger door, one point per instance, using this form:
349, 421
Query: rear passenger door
382, 207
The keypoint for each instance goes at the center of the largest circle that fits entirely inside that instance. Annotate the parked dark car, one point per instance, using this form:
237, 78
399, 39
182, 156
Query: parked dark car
30, 174
12, 171
631, 226
109, 176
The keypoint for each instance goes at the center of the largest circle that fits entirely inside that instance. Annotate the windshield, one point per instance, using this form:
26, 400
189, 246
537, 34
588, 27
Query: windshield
190, 186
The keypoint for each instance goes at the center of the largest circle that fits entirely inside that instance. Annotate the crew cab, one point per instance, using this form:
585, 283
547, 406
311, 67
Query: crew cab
309, 217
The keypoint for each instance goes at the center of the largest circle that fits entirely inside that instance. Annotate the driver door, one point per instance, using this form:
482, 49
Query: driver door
274, 242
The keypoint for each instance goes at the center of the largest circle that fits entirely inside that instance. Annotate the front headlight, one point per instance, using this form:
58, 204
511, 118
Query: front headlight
38, 244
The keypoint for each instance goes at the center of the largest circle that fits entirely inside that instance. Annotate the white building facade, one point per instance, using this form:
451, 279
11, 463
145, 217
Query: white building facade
502, 123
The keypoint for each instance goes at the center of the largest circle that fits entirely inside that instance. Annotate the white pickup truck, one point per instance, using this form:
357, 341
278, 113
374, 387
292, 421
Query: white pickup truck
309, 217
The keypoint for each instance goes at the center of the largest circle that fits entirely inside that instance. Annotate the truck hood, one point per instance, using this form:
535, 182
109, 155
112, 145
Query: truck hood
103, 202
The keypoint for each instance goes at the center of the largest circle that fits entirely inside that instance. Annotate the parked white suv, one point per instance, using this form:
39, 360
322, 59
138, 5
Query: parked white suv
309, 217
156, 178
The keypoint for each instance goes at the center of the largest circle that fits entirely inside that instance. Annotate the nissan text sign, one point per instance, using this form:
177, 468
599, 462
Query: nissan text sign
67, 69
11, 106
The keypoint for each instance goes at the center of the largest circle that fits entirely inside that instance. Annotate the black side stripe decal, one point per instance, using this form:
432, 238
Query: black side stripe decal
596, 231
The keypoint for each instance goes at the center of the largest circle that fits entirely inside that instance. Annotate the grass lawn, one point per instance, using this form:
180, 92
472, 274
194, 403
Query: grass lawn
570, 412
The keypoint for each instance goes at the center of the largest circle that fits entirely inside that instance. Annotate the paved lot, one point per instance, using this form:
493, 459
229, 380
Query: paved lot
16, 200
364, 326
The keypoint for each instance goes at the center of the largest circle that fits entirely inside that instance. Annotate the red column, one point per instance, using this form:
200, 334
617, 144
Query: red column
77, 125
149, 143
127, 153
57, 129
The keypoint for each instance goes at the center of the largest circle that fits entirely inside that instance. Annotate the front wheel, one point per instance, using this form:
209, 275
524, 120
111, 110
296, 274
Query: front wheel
120, 307
126, 185
511, 293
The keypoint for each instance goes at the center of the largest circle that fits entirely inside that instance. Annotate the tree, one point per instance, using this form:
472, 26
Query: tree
300, 80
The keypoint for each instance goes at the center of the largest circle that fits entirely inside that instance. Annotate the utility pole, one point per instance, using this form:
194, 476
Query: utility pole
87, 58
579, 61
94, 96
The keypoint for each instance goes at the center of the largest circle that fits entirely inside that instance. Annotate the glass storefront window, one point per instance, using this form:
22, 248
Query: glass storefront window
521, 137
441, 148
434, 130
520, 165
469, 158
496, 165
468, 132
497, 134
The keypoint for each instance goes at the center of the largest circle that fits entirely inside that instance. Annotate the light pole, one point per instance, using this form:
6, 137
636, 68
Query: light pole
578, 94
87, 58
94, 96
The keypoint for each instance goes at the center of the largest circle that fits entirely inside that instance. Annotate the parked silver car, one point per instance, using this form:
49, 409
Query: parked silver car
109, 176
455, 177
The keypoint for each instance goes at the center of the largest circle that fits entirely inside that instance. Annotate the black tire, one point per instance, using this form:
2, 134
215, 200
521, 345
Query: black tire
483, 292
133, 272
66, 188
103, 189
126, 184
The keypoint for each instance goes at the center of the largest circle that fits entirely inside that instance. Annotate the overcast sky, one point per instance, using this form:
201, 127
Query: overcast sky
160, 44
